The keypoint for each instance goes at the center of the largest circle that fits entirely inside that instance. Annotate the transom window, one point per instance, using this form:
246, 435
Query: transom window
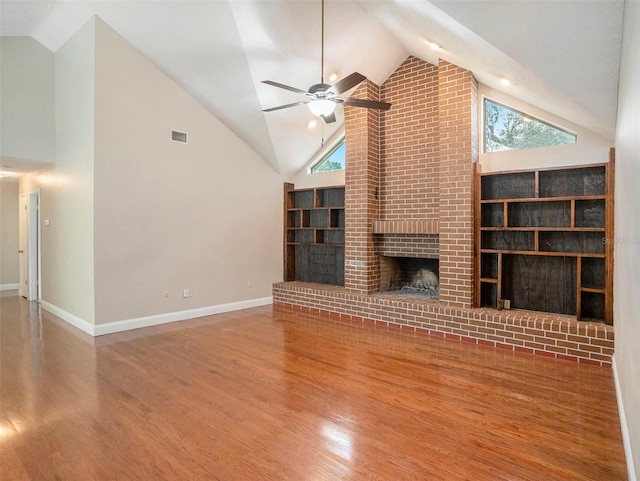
509, 129
334, 159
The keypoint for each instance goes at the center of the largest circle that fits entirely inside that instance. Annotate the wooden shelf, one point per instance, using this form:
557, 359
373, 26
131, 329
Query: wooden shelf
545, 229
543, 253
491, 281
541, 235
314, 233
544, 199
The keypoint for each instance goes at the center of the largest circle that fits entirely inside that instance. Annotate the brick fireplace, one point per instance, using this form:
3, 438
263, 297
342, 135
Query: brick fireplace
409, 194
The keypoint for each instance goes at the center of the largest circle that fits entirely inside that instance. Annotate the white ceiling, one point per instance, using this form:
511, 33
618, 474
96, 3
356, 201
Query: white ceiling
563, 56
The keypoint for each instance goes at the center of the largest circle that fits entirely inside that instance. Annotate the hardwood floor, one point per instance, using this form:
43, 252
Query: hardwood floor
273, 394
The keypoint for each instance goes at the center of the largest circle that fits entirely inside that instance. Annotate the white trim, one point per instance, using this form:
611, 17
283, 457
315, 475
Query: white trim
626, 440
10, 287
136, 323
75, 321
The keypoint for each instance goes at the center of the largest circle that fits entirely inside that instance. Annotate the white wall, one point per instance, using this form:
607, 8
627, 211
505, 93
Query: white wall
627, 236
9, 262
27, 130
590, 147
206, 215
67, 187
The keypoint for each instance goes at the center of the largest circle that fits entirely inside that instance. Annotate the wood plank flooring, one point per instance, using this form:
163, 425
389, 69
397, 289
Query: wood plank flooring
272, 394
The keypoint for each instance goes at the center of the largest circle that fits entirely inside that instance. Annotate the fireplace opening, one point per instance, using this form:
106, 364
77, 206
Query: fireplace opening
410, 277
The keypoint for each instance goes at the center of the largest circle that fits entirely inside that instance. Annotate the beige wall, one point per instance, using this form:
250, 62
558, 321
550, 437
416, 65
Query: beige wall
590, 147
206, 215
67, 187
27, 100
627, 237
9, 262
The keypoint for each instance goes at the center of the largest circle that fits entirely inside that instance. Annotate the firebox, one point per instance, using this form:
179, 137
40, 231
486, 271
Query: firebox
409, 276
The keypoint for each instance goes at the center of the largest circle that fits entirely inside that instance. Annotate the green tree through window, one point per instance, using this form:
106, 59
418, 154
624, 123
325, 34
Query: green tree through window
509, 129
333, 160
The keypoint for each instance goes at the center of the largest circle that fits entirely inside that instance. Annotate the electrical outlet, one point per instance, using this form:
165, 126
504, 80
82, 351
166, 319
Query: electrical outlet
166, 293
187, 293
507, 304
249, 284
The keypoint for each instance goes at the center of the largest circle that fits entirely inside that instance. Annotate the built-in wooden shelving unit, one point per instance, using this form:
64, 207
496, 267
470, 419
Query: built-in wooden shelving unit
314, 234
544, 238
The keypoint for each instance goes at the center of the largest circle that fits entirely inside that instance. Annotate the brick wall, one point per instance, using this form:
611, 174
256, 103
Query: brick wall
362, 138
408, 245
409, 143
458, 144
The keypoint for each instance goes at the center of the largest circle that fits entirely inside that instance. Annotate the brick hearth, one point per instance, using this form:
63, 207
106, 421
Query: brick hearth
539, 333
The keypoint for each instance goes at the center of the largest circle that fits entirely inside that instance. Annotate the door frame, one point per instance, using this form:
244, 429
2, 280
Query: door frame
30, 246
33, 246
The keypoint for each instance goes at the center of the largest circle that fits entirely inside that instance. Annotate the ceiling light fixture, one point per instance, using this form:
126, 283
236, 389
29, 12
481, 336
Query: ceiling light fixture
322, 107
505, 81
434, 45
333, 76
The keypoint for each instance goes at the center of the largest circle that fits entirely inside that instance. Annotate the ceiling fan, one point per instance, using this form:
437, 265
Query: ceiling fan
322, 98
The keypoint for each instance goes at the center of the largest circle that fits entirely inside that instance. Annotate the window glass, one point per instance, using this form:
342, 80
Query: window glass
509, 129
332, 160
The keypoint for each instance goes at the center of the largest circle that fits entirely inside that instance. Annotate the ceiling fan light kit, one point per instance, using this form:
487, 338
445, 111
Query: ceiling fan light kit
322, 107
323, 98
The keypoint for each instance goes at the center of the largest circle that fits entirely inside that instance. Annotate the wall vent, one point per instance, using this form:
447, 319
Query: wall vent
179, 136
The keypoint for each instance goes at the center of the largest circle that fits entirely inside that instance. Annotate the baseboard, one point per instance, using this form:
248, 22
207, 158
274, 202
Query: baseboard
9, 287
137, 323
75, 321
626, 440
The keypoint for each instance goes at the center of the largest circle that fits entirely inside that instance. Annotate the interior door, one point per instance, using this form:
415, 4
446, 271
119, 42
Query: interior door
23, 220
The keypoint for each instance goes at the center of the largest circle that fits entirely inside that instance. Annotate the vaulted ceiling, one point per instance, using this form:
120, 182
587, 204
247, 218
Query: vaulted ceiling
562, 56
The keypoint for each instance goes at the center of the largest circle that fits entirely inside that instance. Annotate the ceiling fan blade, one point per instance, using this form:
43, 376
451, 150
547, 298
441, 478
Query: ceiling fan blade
287, 106
347, 83
329, 119
283, 86
369, 104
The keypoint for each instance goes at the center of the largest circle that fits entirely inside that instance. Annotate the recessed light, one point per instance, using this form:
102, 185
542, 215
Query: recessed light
434, 45
333, 76
312, 123
505, 81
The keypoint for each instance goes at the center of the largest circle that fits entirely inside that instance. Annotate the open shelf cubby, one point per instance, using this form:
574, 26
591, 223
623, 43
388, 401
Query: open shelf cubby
314, 234
543, 240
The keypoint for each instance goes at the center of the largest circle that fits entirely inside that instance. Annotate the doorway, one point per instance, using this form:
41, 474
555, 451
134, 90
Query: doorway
29, 239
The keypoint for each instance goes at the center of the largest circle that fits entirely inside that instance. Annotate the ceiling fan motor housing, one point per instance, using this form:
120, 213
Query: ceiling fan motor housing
320, 90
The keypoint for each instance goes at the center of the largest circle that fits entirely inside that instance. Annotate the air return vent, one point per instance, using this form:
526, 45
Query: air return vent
179, 136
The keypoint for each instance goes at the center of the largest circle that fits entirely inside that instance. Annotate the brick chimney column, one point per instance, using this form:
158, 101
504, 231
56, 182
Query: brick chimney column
361, 263
458, 132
